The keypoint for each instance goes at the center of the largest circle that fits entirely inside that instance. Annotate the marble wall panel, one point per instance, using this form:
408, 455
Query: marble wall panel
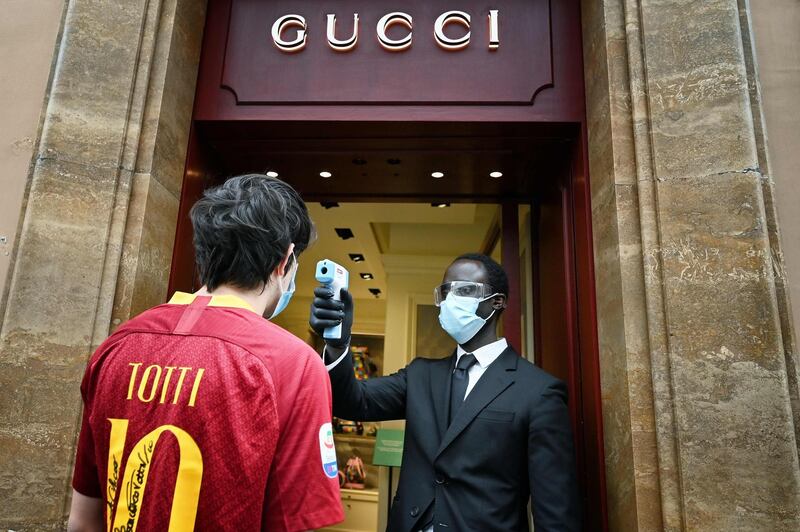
106, 114
738, 454
696, 80
89, 101
147, 251
694, 263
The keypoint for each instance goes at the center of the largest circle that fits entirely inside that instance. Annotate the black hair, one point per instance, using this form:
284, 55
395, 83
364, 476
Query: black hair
243, 228
496, 274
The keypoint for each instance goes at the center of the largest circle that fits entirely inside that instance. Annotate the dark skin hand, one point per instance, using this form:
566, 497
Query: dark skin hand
326, 312
470, 270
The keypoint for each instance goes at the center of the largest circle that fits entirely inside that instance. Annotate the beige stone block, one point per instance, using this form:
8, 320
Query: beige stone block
147, 250
699, 115
91, 91
629, 418
32, 475
172, 120
737, 451
39, 381
62, 249
69, 208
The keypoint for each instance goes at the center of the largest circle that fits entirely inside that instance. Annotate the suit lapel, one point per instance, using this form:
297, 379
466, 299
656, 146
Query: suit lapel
440, 391
498, 376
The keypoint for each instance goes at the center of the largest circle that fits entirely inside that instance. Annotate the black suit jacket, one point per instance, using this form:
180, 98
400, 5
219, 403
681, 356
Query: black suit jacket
511, 438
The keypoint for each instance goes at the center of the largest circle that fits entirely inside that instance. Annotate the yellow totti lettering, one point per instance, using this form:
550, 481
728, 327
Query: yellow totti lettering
167, 378
179, 387
198, 377
133, 378
137, 468
143, 383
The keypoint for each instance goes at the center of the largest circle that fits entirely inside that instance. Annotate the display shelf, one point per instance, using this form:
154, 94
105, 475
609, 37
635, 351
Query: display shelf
360, 495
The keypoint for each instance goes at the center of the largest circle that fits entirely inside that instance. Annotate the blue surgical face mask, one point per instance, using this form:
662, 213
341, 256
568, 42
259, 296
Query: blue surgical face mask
286, 296
458, 317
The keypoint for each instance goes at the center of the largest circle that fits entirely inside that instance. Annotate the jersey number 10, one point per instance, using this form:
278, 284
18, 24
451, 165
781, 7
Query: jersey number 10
124, 515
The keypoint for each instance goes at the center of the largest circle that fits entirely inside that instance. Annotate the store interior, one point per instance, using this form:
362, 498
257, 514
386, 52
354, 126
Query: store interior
395, 203
396, 254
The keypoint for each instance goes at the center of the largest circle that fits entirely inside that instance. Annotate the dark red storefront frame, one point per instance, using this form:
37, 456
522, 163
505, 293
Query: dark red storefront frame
561, 104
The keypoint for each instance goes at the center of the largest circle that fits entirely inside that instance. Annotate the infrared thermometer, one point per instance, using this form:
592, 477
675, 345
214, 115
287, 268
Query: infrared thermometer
334, 277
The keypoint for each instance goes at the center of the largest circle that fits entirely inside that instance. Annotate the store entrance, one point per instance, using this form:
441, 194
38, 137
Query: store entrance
395, 202
396, 254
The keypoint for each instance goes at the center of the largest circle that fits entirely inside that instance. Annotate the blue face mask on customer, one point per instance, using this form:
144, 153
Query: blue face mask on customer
286, 296
458, 317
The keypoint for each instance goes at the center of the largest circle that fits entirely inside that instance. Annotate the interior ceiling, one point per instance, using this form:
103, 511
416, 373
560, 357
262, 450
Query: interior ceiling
394, 161
390, 229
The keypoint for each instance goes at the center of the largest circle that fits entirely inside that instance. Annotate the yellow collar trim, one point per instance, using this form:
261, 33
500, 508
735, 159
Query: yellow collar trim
226, 300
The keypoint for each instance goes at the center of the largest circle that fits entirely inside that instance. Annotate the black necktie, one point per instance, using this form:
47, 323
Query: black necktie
458, 389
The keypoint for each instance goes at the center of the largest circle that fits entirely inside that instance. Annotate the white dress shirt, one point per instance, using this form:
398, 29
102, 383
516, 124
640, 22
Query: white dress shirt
485, 356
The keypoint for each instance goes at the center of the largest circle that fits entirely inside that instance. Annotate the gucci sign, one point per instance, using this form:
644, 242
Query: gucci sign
283, 40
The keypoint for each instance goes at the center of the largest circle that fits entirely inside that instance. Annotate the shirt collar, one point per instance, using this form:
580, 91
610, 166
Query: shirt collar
486, 354
230, 301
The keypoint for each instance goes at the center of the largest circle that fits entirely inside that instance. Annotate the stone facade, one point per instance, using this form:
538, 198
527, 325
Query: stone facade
97, 232
699, 372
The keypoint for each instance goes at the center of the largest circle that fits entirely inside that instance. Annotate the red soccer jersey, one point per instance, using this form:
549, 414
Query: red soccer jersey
200, 414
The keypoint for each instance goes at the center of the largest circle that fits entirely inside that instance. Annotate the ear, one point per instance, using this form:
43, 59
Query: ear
281, 269
499, 302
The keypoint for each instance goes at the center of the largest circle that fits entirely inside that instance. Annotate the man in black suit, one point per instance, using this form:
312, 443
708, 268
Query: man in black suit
485, 428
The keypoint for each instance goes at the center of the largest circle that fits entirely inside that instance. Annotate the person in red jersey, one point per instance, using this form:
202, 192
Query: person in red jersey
200, 414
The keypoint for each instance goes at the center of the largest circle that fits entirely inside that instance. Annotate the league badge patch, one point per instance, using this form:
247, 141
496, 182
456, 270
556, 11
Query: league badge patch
327, 451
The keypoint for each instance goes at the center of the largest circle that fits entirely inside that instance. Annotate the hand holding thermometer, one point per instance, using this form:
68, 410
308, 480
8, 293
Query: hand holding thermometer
336, 278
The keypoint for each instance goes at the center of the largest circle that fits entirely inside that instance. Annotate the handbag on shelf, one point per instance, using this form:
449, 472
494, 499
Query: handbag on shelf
354, 474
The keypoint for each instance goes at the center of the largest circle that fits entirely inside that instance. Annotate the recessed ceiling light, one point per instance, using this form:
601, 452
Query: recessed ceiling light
440, 205
359, 161
345, 233
325, 174
393, 161
272, 173
375, 292
437, 175
356, 257
367, 276
496, 174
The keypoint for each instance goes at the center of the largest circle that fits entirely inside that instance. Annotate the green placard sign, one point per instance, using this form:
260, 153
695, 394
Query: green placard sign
388, 447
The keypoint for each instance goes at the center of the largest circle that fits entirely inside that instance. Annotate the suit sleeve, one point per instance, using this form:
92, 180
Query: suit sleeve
377, 399
551, 464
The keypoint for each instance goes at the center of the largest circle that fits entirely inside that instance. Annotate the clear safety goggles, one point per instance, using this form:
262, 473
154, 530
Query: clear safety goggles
462, 289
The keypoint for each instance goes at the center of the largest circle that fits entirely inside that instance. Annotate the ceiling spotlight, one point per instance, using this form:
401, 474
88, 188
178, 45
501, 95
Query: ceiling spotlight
325, 174
367, 276
393, 161
345, 233
359, 161
356, 257
328, 204
437, 175
496, 174
272, 173
440, 205
375, 292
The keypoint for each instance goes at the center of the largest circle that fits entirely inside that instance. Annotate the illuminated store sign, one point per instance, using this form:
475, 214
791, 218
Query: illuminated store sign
289, 42
387, 52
